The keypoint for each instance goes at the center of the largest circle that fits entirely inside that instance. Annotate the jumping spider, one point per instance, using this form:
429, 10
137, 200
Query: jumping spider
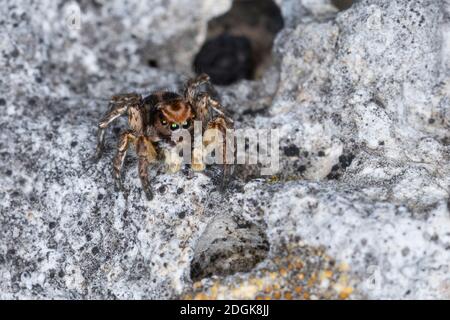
153, 119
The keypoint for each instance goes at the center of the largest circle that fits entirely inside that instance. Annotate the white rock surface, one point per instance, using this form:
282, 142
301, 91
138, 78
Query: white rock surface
361, 99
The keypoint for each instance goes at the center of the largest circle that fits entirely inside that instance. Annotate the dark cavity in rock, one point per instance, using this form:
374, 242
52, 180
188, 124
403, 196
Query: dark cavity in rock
239, 42
228, 245
343, 4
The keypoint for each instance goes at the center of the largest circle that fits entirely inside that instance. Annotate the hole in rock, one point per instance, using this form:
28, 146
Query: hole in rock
239, 43
343, 4
228, 245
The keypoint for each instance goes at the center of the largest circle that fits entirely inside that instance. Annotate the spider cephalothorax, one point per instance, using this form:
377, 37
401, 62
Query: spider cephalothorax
171, 115
154, 119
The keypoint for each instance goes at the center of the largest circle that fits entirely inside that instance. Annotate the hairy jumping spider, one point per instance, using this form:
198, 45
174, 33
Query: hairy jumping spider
153, 119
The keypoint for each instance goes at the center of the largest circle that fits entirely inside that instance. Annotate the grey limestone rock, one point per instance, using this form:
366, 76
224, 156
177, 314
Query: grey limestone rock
360, 98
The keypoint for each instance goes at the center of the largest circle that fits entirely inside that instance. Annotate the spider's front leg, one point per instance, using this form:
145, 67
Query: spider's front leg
205, 105
192, 86
216, 138
117, 107
146, 154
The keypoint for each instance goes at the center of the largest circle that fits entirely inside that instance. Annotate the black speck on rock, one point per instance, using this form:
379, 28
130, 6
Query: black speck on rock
15, 193
2, 102
31, 102
15, 53
116, 130
333, 175
292, 151
162, 189
321, 153
301, 169
346, 160
152, 63
243, 224
434, 238
95, 250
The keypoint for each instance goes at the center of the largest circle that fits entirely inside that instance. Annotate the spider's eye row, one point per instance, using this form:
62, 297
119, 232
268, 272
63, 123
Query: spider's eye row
164, 122
174, 126
186, 124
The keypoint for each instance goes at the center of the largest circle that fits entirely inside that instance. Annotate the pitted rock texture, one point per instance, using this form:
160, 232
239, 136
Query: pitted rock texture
360, 98
228, 245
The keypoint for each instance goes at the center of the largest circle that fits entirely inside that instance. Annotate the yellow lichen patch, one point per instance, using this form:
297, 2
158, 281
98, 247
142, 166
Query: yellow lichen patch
197, 285
214, 290
345, 292
201, 296
325, 275
344, 267
312, 280
259, 283
273, 179
299, 272
245, 291
277, 295
273, 275
298, 265
343, 279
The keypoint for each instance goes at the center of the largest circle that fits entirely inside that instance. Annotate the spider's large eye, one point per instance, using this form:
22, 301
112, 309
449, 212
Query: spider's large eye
174, 126
186, 124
